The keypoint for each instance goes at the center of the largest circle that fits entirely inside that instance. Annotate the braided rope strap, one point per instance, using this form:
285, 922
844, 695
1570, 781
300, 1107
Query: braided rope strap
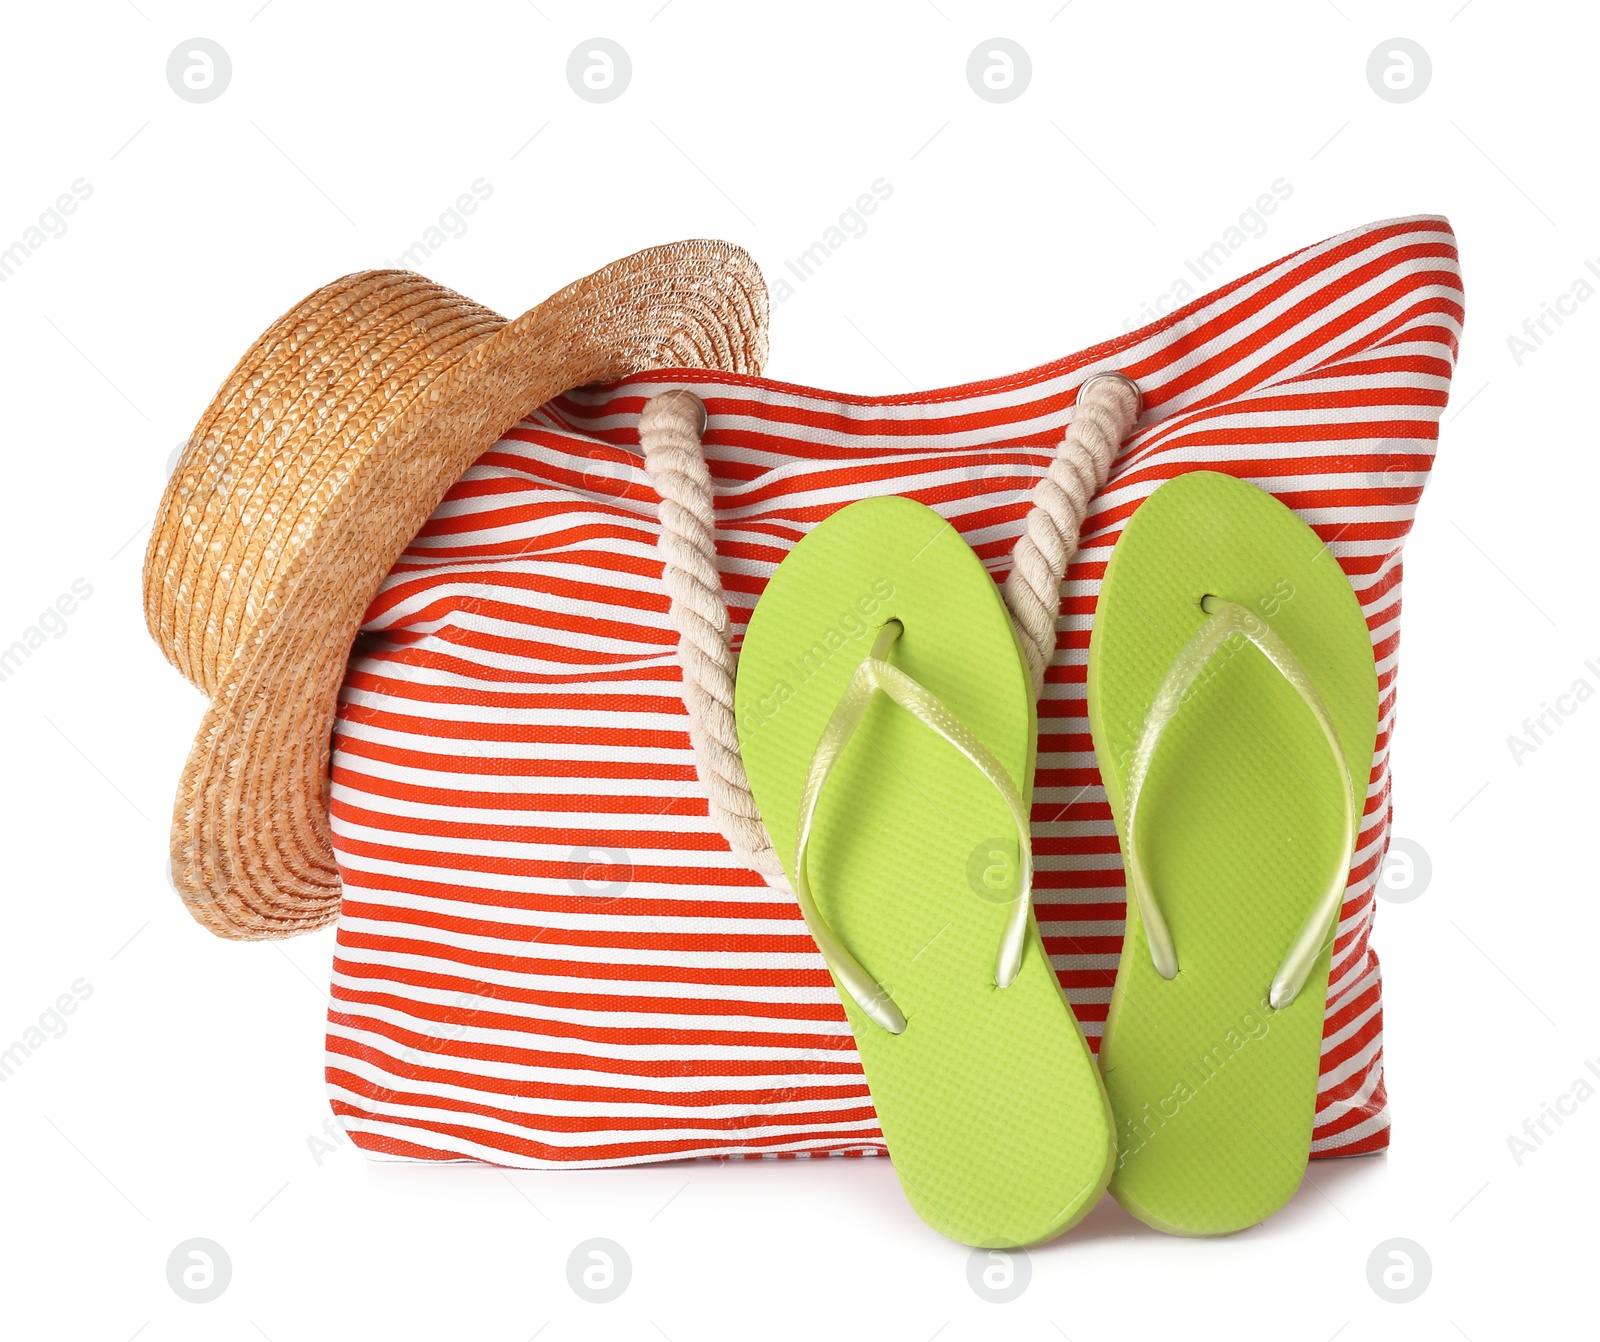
1108, 404
670, 431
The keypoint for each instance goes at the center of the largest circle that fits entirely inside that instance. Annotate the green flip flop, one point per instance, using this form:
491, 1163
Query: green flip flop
1233, 703
886, 720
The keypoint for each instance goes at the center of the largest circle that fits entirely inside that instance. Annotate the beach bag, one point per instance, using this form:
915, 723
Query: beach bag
547, 954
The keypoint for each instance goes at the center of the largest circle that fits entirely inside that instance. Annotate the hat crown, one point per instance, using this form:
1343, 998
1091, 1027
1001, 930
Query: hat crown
276, 446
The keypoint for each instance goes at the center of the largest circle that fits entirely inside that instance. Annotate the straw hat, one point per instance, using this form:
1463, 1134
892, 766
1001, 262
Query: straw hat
321, 457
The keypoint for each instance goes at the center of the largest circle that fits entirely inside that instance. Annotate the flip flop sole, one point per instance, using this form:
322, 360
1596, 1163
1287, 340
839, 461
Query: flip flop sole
1214, 1091
989, 1100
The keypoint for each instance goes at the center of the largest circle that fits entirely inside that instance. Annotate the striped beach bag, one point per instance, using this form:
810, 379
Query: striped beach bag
547, 954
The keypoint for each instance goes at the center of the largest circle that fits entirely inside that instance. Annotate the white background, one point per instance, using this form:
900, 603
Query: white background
181, 1098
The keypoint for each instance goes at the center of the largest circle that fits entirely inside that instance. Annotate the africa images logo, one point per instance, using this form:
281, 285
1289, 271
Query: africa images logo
852, 623
51, 224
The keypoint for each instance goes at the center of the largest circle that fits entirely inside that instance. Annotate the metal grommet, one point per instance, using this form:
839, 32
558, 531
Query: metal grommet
699, 405
1138, 396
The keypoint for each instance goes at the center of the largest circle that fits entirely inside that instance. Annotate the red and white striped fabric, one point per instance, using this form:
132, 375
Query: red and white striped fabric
547, 955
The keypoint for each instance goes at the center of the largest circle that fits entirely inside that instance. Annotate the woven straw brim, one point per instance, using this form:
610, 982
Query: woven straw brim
320, 459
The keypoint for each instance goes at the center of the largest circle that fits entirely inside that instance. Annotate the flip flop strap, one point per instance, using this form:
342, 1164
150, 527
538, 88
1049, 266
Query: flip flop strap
1229, 619
670, 431
873, 675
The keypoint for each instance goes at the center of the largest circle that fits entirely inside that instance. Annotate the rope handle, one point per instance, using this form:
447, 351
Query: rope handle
671, 430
